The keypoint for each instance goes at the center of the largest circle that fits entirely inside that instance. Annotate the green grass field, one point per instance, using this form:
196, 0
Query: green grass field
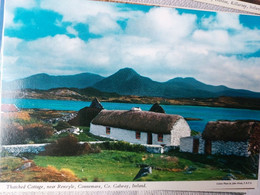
123, 166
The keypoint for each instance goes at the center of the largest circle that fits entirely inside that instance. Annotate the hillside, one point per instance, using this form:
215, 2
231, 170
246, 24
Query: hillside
128, 82
45, 81
86, 94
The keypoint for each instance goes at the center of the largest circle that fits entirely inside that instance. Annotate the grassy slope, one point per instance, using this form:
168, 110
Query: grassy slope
122, 166
9, 172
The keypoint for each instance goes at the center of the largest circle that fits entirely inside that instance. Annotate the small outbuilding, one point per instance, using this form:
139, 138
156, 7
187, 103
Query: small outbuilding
140, 127
5, 108
240, 138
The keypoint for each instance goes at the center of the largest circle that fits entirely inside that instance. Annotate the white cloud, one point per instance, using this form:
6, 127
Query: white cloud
101, 17
78, 10
162, 24
103, 24
161, 44
244, 41
222, 21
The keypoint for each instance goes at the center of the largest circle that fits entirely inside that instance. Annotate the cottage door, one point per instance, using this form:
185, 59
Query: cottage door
149, 138
195, 148
208, 147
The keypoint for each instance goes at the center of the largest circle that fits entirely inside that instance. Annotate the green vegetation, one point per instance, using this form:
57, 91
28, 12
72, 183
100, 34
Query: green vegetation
85, 136
9, 172
69, 146
118, 161
193, 133
111, 165
25, 130
246, 165
61, 125
122, 146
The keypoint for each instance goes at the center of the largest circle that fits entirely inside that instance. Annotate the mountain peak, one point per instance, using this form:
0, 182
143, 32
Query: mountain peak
39, 75
125, 74
127, 71
188, 79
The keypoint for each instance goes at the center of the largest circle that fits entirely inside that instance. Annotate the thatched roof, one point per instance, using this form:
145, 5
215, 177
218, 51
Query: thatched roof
157, 108
230, 130
137, 120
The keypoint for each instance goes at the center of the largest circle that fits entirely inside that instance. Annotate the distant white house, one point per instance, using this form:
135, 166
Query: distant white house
7, 108
240, 138
140, 127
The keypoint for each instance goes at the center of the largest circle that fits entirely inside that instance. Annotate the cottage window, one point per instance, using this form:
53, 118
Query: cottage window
137, 135
160, 137
108, 130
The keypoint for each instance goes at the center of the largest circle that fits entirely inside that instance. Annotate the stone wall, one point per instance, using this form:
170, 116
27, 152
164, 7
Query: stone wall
217, 147
16, 150
230, 148
201, 146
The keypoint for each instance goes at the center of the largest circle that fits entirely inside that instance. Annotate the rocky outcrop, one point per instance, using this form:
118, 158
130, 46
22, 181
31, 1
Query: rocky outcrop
157, 108
87, 114
96, 104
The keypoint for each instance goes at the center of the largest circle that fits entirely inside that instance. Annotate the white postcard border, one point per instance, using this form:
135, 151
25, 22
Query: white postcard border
213, 186
235, 4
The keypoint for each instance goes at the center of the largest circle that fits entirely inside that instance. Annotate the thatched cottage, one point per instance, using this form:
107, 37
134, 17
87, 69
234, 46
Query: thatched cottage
140, 127
240, 138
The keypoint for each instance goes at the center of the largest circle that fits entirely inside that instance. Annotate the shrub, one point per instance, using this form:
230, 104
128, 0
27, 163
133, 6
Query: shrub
122, 146
12, 133
62, 125
67, 172
38, 132
96, 179
21, 132
69, 146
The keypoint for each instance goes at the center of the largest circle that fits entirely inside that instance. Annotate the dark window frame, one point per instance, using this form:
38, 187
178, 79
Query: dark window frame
138, 135
108, 130
160, 137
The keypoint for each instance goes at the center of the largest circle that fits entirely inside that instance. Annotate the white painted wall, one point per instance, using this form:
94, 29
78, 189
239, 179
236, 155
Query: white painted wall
186, 144
180, 129
118, 134
128, 135
166, 139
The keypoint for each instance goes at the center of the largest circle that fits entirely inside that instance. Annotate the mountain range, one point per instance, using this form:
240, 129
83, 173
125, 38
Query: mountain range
128, 82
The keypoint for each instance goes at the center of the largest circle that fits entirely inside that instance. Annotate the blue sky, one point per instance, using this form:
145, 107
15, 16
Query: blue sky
69, 37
